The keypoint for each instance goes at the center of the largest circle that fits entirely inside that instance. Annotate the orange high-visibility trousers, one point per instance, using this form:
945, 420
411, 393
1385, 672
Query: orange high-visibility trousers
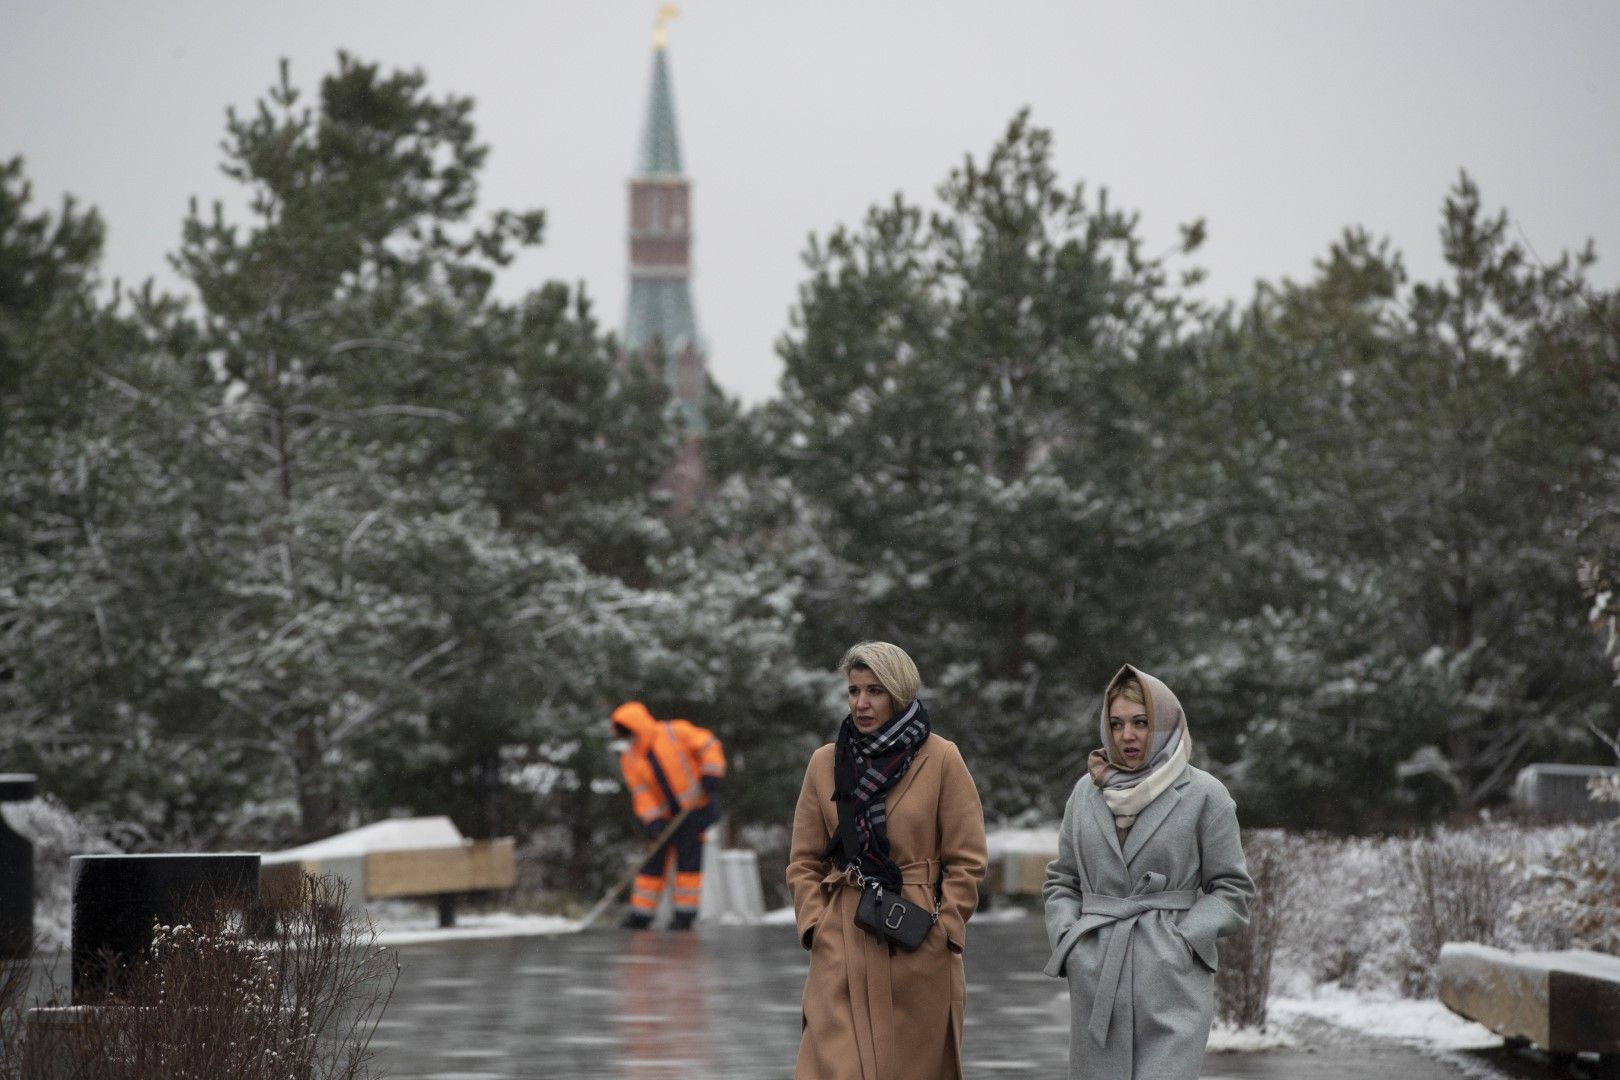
680, 857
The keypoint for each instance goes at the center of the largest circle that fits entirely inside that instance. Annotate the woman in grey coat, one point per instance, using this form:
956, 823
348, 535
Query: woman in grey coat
1149, 873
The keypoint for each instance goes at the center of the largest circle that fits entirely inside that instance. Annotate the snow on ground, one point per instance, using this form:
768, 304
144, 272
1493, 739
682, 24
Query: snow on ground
413, 928
1425, 1023
1224, 1039
1004, 912
1036, 841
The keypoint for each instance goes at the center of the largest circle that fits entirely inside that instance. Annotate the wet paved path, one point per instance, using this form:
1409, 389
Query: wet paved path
724, 1003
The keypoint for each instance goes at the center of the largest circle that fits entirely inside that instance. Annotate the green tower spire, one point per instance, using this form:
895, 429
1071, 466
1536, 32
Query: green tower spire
660, 323
660, 144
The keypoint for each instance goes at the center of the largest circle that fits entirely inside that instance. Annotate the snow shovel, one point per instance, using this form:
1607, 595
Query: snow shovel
635, 868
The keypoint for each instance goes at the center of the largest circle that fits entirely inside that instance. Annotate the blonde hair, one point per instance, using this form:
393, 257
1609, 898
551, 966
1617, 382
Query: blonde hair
890, 663
1128, 688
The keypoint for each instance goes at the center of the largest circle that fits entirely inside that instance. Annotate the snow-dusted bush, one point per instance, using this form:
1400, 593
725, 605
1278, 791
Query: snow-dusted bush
1606, 789
1574, 901
1373, 912
1351, 924
1243, 983
1573, 898
266, 993
1459, 885
14, 1004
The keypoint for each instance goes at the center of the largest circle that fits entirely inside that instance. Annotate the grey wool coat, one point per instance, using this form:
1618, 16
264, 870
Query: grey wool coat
1133, 930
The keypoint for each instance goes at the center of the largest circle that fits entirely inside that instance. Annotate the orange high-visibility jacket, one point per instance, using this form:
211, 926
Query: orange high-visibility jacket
684, 754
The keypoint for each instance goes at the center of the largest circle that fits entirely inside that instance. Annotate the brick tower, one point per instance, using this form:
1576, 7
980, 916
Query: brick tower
660, 326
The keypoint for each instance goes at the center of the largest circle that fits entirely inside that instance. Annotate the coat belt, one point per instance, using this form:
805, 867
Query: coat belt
870, 986
921, 872
1121, 913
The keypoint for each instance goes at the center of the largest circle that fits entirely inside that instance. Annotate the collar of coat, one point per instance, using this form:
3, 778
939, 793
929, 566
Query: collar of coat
1147, 822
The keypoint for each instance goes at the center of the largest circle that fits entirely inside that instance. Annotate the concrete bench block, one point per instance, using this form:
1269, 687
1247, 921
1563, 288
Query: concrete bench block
53, 1046
1565, 1002
117, 898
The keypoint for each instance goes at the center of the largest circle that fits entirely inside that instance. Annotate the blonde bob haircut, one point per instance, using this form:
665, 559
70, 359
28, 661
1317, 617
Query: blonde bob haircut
892, 666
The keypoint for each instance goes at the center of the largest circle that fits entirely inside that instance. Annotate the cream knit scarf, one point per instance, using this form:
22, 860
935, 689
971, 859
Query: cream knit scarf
1125, 803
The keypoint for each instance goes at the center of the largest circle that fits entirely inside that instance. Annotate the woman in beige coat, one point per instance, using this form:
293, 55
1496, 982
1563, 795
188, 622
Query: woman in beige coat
901, 797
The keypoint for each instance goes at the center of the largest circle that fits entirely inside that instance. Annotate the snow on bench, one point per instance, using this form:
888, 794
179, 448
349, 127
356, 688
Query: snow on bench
1565, 1002
401, 857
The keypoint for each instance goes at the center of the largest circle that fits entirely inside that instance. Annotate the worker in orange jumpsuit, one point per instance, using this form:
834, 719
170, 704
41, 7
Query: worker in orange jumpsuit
669, 766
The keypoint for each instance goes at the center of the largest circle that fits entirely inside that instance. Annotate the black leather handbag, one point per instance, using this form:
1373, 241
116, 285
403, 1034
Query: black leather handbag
884, 915
891, 919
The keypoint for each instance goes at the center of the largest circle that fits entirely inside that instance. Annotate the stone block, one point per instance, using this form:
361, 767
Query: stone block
59, 1044
1565, 1002
16, 787
117, 899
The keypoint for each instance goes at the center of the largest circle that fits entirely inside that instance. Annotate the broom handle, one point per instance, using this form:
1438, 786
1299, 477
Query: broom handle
630, 875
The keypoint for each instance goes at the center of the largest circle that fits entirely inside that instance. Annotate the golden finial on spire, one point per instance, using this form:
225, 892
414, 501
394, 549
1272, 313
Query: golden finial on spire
667, 13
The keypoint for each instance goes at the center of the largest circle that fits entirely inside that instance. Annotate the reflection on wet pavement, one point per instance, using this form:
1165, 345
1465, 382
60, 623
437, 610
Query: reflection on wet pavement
724, 1003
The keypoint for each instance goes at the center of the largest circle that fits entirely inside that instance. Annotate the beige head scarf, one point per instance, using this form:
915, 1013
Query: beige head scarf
1128, 791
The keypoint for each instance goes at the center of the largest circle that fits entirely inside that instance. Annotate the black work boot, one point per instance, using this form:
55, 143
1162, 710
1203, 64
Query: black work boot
636, 921
682, 921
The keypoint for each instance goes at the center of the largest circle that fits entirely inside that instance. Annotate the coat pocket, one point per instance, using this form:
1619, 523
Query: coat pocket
821, 920
1059, 959
1195, 960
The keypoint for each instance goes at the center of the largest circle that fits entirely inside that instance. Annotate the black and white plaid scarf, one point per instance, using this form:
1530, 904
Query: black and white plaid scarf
865, 768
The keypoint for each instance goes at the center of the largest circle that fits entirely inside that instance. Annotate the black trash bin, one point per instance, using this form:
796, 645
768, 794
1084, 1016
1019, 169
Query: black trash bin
16, 875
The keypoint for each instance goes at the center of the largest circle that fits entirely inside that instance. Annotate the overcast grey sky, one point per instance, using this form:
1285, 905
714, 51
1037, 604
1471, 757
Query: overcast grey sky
1280, 121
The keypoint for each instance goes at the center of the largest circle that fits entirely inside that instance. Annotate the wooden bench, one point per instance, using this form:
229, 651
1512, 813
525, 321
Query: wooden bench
417, 857
1565, 1002
1017, 863
1016, 873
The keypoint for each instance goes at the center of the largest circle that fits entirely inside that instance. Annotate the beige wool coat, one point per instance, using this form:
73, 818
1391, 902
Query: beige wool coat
868, 1015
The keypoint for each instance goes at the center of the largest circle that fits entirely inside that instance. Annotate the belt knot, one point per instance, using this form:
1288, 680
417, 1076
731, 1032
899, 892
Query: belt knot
1121, 913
